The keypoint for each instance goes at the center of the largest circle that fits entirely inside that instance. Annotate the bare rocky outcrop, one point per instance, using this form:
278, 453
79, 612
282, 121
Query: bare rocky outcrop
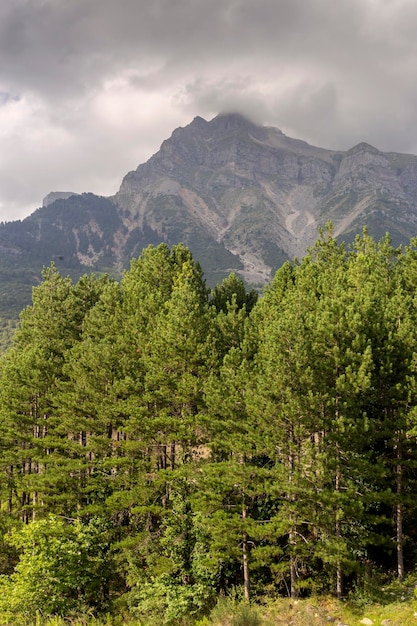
264, 195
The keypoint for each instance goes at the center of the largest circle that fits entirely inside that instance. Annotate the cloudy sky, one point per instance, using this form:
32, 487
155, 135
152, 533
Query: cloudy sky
90, 88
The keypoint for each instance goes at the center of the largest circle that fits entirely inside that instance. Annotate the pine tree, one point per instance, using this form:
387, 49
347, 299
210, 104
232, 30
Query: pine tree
230, 477
314, 368
394, 346
30, 372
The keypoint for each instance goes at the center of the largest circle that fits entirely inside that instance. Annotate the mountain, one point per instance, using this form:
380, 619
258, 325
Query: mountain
243, 197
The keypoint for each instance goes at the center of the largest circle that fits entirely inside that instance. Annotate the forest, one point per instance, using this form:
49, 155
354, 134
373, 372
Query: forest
164, 444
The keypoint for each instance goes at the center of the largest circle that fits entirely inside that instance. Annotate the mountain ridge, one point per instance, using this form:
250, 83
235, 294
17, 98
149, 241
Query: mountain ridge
242, 196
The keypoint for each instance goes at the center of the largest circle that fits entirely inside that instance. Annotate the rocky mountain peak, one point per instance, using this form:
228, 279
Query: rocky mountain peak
261, 194
221, 125
232, 121
362, 147
241, 196
57, 195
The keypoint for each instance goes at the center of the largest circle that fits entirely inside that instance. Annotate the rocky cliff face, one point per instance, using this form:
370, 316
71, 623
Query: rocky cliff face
243, 197
262, 195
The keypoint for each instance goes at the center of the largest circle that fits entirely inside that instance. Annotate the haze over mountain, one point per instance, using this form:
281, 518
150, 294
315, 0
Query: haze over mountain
243, 197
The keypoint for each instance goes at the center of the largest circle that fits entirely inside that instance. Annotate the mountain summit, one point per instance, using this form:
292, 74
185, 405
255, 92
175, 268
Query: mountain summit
262, 195
243, 197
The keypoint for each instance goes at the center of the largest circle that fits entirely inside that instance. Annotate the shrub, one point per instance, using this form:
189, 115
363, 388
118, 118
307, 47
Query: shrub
62, 570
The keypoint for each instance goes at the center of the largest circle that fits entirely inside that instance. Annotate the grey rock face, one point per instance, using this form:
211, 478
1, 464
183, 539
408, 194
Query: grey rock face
264, 195
243, 197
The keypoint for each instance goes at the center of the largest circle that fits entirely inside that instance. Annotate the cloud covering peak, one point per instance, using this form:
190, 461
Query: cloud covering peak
90, 88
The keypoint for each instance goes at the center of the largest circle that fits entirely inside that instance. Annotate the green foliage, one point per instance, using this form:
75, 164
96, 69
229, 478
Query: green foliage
234, 445
32, 371
9, 555
63, 568
232, 289
230, 611
246, 616
165, 601
171, 579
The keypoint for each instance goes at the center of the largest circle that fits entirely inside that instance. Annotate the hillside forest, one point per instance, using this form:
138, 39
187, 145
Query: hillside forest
163, 444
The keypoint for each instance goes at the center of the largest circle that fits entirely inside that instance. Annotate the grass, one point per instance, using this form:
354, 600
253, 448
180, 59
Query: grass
392, 604
315, 612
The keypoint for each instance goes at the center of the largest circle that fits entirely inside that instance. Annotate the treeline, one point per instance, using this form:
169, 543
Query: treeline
162, 443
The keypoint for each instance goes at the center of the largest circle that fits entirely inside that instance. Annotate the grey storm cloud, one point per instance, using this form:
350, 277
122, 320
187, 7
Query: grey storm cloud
90, 88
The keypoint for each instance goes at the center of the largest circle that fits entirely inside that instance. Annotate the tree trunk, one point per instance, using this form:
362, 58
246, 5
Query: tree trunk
339, 580
246, 575
338, 525
173, 455
399, 510
292, 531
293, 568
10, 490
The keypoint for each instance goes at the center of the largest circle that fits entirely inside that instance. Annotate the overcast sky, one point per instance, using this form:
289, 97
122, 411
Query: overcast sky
89, 89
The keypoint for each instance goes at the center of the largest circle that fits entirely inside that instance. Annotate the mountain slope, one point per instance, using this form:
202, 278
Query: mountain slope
243, 197
263, 195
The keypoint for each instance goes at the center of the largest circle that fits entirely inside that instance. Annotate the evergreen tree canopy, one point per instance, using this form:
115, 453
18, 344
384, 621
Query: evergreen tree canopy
217, 439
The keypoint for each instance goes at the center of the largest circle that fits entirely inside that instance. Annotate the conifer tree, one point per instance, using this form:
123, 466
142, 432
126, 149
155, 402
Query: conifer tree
231, 288
30, 372
281, 407
393, 333
314, 367
228, 479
